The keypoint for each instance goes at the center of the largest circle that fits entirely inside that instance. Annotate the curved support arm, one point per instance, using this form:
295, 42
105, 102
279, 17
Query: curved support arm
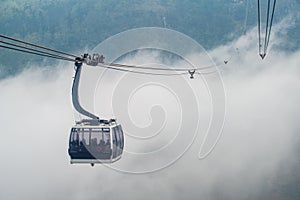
75, 98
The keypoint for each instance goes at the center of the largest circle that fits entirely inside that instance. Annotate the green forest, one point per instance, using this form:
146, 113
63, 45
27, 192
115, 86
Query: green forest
73, 26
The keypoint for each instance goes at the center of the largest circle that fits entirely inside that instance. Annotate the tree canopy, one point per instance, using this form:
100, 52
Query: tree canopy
75, 25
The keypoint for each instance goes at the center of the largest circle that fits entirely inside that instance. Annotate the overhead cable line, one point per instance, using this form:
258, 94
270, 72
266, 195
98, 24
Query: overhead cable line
267, 25
38, 46
150, 73
158, 68
259, 25
41, 53
263, 47
271, 23
31, 52
246, 17
40, 50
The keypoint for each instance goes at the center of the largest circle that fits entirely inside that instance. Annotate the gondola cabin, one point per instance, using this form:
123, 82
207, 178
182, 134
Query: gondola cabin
96, 141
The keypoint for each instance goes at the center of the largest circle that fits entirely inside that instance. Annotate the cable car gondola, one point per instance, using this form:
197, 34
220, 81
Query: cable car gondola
93, 140
96, 141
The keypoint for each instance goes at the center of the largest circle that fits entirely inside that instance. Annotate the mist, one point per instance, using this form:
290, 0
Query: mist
259, 136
